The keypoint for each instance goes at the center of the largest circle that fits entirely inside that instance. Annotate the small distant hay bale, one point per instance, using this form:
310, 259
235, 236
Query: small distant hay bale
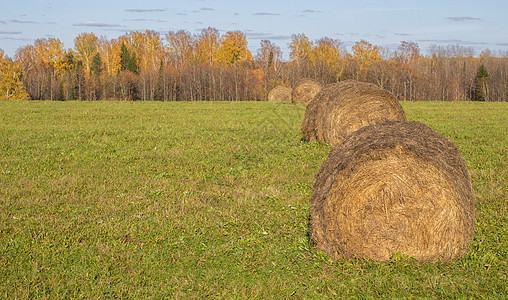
393, 188
304, 91
280, 93
341, 108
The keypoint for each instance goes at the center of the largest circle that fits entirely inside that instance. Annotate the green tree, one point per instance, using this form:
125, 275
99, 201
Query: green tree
127, 60
124, 57
133, 66
482, 87
96, 65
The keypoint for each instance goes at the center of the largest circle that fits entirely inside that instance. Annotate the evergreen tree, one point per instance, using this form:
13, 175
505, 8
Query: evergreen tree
132, 65
125, 57
128, 60
482, 87
96, 65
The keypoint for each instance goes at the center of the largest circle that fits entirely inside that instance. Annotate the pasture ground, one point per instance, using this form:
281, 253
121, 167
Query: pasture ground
183, 199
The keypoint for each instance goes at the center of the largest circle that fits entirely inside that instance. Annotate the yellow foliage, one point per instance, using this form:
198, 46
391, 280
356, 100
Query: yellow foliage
300, 46
110, 52
233, 48
85, 46
259, 74
207, 45
180, 46
365, 54
154, 50
327, 52
51, 53
11, 86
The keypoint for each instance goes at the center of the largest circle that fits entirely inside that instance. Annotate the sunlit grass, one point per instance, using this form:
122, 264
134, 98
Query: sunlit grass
133, 199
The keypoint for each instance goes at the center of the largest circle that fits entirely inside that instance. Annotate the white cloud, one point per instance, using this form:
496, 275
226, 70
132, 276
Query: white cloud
96, 24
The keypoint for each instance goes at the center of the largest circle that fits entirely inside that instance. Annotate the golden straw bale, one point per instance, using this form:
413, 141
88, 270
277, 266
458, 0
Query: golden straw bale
393, 188
280, 93
342, 108
304, 91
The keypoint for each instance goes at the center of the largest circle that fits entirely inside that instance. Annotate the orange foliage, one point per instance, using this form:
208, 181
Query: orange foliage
233, 48
85, 46
300, 46
221, 67
51, 53
365, 54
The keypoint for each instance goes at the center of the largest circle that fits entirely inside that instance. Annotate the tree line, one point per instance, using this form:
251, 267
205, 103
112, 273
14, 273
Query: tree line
212, 66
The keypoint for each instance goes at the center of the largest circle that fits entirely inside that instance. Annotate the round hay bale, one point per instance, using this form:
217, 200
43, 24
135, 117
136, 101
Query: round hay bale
341, 108
280, 93
393, 187
304, 91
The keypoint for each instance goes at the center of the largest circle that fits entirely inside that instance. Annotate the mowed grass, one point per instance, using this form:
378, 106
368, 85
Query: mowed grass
211, 199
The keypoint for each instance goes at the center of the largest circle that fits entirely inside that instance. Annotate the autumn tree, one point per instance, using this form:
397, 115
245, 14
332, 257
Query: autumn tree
73, 78
233, 48
27, 57
11, 85
95, 90
407, 58
180, 47
141, 53
212, 66
365, 54
50, 60
269, 56
269, 59
153, 51
207, 45
85, 46
301, 47
110, 53
327, 60
408, 51
50, 52
300, 55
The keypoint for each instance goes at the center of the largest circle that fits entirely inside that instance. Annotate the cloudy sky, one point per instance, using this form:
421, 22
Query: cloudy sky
480, 24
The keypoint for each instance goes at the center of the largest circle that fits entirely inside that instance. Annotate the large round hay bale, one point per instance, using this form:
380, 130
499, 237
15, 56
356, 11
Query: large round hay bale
341, 108
280, 93
393, 187
304, 91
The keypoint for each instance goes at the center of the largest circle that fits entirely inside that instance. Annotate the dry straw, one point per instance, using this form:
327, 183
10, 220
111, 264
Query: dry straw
393, 187
340, 109
304, 91
280, 93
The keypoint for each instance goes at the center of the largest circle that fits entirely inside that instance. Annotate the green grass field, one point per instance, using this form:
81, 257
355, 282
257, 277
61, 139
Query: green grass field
210, 199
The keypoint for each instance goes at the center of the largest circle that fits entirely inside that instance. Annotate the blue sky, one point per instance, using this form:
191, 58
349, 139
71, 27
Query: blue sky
480, 24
